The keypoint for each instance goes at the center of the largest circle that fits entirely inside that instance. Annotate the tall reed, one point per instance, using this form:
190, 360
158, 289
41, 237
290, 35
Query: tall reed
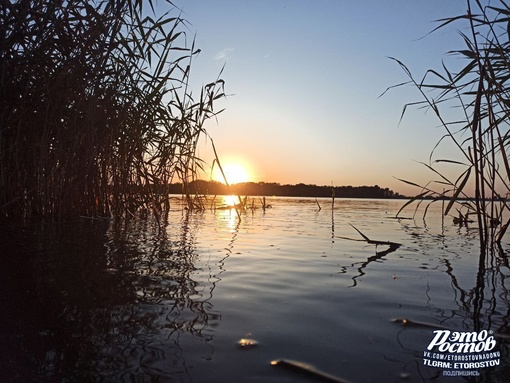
481, 89
96, 113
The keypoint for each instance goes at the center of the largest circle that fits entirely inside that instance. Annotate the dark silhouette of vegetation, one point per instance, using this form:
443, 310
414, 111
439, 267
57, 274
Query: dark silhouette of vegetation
95, 108
275, 189
481, 90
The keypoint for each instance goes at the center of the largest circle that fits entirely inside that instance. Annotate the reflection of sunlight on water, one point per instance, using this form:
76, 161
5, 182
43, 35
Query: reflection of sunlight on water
229, 200
230, 218
228, 215
157, 301
233, 222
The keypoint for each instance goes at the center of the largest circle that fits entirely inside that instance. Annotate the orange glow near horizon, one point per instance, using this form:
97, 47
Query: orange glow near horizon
235, 172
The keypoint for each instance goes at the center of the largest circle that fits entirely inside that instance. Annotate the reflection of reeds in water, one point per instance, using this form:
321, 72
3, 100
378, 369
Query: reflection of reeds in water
168, 298
478, 292
99, 118
361, 266
480, 90
128, 303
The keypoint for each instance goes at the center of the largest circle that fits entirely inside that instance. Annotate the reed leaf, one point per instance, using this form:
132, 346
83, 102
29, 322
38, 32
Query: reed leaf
100, 118
481, 89
458, 190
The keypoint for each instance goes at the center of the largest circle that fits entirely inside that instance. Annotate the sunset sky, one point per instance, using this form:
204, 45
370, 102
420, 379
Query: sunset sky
304, 79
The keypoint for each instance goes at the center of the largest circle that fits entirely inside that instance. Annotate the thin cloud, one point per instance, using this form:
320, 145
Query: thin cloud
224, 54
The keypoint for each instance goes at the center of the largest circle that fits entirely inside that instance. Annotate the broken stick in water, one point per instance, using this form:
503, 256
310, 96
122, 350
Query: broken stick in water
393, 245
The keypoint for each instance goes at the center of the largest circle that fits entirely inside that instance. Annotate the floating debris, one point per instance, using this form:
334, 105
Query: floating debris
413, 323
247, 343
306, 369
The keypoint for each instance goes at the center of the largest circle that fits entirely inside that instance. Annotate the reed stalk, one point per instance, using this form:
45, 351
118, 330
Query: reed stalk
481, 89
96, 114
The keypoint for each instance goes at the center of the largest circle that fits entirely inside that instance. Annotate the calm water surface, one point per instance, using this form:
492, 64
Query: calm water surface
122, 301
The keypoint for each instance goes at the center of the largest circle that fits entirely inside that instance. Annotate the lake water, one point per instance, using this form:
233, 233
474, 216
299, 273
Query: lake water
125, 301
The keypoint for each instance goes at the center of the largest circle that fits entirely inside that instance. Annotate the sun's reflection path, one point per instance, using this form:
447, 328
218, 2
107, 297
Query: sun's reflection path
332, 223
232, 228
233, 225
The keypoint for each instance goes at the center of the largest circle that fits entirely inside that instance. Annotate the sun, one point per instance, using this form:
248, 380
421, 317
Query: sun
235, 173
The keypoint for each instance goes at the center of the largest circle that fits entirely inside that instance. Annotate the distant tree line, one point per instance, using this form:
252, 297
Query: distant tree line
276, 189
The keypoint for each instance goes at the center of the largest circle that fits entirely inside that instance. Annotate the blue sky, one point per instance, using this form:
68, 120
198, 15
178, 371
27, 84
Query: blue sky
304, 79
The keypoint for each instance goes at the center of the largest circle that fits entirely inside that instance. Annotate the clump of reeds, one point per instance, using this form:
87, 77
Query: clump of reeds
481, 89
97, 117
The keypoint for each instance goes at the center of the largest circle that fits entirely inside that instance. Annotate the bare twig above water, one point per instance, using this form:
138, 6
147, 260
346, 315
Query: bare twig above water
392, 245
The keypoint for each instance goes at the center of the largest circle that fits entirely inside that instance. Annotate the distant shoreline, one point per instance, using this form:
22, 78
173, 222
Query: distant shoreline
269, 189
